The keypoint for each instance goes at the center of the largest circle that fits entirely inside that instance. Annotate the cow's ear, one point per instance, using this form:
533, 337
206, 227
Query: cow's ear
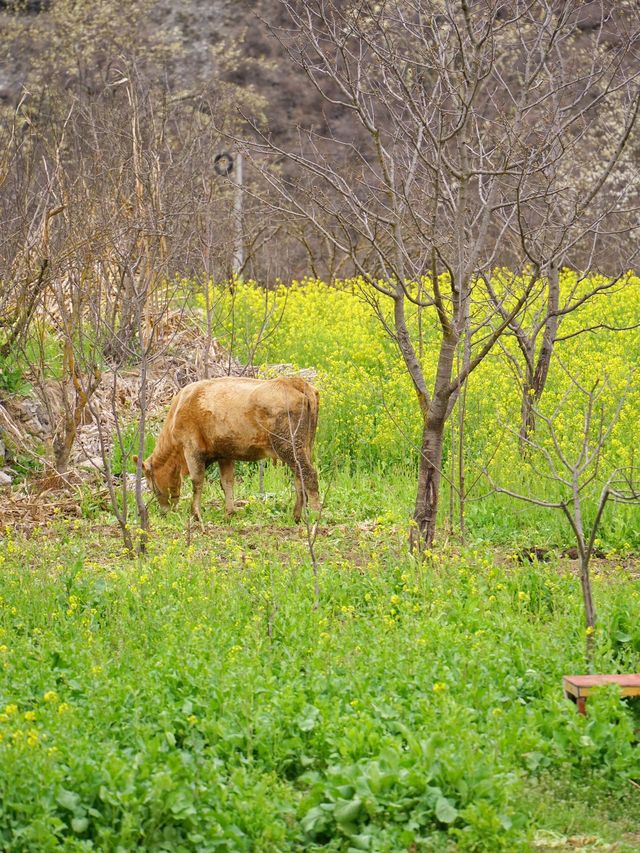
146, 466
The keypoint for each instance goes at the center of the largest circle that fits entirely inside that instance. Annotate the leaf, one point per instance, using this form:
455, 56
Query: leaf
68, 799
361, 841
183, 807
446, 812
532, 760
310, 718
390, 757
171, 738
347, 810
506, 821
346, 792
431, 746
384, 711
314, 821
79, 824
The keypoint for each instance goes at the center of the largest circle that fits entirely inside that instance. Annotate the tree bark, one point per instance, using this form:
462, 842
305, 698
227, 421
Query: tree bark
426, 509
62, 446
527, 415
589, 608
430, 471
536, 379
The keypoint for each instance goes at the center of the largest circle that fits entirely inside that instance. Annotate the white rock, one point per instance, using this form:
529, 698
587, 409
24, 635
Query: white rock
131, 483
95, 462
5, 479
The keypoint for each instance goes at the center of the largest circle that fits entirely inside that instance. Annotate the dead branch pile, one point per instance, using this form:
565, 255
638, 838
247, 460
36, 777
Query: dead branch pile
23, 512
183, 353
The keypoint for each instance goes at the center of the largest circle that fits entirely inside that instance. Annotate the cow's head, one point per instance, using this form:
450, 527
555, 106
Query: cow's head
165, 481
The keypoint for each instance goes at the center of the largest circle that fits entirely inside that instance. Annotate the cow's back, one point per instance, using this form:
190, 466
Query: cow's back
236, 417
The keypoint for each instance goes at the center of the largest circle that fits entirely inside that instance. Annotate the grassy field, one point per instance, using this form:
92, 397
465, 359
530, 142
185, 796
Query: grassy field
229, 693
203, 699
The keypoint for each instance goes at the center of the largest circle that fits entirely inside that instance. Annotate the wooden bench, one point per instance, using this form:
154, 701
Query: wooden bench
578, 687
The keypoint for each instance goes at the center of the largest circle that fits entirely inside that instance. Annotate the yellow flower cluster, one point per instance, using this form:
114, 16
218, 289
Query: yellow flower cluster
369, 410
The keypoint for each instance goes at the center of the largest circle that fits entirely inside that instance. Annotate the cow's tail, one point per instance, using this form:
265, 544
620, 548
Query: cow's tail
310, 406
313, 403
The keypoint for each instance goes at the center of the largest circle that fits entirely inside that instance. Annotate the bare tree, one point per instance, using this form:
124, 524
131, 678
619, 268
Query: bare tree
574, 473
140, 218
441, 182
27, 208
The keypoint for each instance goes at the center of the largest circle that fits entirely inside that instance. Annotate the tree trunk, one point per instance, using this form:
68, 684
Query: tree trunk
537, 379
461, 466
124, 344
62, 446
527, 415
430, 471
426, 509
74, 412
589, 608
584, 550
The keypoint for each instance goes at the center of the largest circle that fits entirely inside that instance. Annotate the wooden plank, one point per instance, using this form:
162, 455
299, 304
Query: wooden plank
581, 685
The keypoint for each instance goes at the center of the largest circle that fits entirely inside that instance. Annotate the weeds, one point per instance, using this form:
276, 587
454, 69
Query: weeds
196, 700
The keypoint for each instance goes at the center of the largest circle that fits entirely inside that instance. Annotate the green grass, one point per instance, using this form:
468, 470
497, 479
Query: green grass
198, 700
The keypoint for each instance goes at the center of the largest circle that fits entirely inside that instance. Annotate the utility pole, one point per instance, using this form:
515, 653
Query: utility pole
238, 251
228, 166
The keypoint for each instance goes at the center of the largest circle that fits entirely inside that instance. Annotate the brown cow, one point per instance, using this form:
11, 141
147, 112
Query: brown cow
221, 420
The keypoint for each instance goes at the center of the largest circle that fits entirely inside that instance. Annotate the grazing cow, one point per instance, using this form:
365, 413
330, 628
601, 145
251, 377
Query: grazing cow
221, 420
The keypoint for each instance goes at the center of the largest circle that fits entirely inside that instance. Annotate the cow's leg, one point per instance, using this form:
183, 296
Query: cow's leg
296, 456
297, 507
227, 470
196, 467
311, 482
310, 478
306, 483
